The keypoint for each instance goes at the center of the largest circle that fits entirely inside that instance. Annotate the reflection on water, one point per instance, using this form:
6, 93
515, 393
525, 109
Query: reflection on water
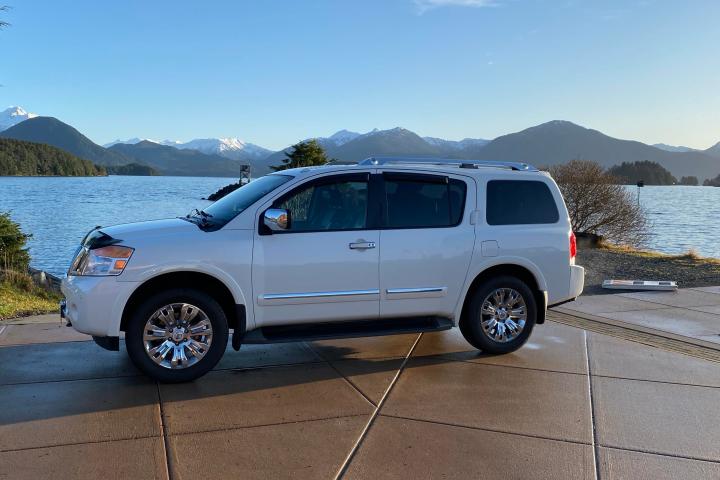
59, 211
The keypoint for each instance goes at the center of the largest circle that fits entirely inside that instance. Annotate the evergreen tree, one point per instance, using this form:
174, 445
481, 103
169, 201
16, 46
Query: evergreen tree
651, 173
304, 154
712, 182
13, 253
18, 157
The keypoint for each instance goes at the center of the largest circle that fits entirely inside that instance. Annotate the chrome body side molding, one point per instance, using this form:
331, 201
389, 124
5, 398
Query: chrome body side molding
314, 297
425, 292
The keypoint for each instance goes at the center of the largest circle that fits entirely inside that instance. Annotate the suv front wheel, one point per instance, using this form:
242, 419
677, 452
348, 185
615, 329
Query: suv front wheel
501, 315
177, 335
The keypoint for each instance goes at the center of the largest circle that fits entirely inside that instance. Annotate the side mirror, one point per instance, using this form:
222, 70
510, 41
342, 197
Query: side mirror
276, 219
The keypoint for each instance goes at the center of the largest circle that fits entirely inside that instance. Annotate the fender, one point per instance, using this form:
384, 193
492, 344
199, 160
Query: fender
235, 289
213, 271
488, 262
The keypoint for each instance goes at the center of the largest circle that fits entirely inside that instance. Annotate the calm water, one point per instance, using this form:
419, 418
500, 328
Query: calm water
59, 211
683, 218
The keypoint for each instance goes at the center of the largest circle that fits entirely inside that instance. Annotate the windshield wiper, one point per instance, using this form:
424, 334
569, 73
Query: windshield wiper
201, 213
201, 217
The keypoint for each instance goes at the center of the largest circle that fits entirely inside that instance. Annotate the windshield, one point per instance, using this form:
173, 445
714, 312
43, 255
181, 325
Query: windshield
233, 203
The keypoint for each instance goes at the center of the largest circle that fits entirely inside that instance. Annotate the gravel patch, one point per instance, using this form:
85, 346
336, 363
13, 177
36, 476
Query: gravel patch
605, 264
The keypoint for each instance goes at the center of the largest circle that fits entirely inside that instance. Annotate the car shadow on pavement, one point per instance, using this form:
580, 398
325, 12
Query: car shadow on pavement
75, 379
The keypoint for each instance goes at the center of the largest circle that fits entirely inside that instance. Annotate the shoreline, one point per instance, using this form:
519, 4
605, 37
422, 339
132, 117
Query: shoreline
613, 262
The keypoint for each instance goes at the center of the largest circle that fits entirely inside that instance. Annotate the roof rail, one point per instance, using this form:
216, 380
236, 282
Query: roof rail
526, 167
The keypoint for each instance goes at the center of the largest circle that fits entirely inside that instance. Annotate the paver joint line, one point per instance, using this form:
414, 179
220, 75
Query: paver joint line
483, 429
166, 447
596, 450
353, 451
71, 444
330, 364
660, 454
260, 425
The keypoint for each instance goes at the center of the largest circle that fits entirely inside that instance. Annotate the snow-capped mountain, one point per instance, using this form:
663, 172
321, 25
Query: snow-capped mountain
343, 136
12, 116
226, 147
336, 139
456, 144
673, 148
232, 148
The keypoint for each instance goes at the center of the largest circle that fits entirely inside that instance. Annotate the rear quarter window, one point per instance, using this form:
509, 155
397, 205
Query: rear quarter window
520, 202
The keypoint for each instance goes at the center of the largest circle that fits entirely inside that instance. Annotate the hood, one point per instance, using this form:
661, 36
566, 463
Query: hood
154, 227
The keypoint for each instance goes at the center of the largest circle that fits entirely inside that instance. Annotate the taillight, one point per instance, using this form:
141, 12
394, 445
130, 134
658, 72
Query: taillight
573, 246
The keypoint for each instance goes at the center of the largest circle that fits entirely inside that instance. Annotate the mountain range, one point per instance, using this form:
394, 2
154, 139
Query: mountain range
546, 144
674, 148
173, 161
232, 148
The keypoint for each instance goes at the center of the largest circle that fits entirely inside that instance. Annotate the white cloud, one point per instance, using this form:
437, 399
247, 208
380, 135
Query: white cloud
425, 5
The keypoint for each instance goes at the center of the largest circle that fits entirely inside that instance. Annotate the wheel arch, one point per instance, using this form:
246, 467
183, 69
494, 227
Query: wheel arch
522, 272
204, 282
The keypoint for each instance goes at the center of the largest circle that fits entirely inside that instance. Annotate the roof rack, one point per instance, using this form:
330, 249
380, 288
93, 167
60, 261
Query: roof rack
526, 167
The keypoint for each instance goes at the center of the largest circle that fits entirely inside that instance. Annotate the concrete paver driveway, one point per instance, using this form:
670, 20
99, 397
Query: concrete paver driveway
570, 404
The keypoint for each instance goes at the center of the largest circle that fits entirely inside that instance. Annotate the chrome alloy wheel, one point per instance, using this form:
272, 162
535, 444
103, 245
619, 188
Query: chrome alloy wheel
503, 315
177, 335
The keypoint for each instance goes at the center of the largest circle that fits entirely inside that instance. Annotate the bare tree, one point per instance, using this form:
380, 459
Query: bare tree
598, 204
4, 8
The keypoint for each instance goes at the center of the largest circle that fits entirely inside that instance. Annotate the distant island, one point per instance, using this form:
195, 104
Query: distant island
21, 158
650, 173
132, 169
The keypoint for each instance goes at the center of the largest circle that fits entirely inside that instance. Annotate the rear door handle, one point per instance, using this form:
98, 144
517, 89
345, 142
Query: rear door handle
361, 245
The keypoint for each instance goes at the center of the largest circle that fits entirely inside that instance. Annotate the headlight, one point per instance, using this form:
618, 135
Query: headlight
110, 260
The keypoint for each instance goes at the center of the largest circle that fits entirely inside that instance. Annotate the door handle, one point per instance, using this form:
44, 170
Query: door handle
361, 245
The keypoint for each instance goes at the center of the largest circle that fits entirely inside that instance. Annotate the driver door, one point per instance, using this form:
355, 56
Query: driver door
324, 266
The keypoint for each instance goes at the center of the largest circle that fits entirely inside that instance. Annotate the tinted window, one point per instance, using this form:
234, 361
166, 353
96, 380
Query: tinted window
340, 205
418, 203
515, 202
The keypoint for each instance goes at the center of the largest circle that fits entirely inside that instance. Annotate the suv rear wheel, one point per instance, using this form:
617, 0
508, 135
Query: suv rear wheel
177, 335
501, 315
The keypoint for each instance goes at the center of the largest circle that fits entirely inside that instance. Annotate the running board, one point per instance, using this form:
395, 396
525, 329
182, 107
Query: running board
362, 328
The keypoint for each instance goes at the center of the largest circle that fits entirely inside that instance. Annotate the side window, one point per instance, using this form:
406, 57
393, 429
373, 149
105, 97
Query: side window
414, 202
517, 202
338, 205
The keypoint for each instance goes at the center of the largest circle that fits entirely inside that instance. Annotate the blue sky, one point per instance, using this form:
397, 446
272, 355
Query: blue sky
273, 72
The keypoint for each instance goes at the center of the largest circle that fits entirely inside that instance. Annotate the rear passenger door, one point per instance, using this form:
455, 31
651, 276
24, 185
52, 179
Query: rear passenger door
426, 242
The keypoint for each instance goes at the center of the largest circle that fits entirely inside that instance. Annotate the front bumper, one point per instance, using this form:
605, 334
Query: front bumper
94, 305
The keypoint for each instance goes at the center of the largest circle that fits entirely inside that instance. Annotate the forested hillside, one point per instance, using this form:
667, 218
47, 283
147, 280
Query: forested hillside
18, 157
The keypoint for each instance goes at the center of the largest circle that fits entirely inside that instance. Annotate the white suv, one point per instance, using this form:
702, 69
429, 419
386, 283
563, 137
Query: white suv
386, 246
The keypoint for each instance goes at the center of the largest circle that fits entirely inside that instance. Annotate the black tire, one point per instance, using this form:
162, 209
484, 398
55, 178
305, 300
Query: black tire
472, 329
135, 330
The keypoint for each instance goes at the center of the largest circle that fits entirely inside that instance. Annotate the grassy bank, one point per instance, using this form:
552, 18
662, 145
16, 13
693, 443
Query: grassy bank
611, 262
20, 298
